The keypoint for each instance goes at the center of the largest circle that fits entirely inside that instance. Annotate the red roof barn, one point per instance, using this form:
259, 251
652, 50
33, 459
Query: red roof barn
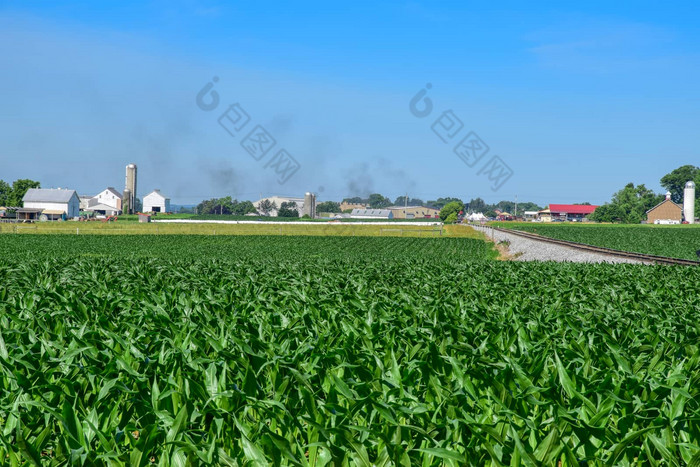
571, 212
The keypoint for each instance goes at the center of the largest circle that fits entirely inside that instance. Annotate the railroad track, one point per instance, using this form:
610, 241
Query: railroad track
603, 250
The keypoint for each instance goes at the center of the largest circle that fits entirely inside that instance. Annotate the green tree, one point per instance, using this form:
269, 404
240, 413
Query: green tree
629, 205
225, 205
19, 189
528, 206
328, 206
355, 200
5, 193
451, 219
607, 213
476, 205
452, 207
441, 202
266, 207
288, 209
675, 181
243, 208
377, 201
401, 201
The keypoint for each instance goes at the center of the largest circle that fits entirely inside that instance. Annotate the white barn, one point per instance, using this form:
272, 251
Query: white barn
278, 200
110, 197
155, 201
107, 202
53, 202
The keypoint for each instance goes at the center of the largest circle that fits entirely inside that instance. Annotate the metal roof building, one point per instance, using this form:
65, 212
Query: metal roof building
568, 212
53, 202
371, 214
156, 201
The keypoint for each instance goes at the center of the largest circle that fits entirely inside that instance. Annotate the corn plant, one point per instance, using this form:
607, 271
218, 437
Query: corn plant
288, 351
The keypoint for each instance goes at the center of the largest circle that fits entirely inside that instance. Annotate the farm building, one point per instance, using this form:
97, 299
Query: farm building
84, 201
666, 212
414, 212
371, 214
567, 212
345, 206
110, 197
278, 200
53, 203
530, 215
155, 201
108, 202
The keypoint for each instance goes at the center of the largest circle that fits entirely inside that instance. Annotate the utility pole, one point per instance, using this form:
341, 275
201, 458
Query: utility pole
516, 206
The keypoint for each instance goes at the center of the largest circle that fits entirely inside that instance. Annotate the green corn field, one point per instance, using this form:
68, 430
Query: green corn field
314, 351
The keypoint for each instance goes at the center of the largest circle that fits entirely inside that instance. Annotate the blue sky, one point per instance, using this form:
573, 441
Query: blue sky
576, 100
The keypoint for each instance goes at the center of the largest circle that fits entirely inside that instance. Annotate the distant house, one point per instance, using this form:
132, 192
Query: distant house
49, 203
530, 215
666, 212
108, 202
110, 197
155, 201
545, 215
371, 214
414, 212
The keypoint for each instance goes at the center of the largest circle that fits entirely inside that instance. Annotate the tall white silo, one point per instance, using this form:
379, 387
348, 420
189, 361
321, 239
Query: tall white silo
310, 205
689, 202
130, 185
127, 208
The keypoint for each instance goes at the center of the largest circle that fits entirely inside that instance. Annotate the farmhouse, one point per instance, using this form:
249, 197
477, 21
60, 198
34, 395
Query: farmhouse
108, 202
52, 203
414, 212
155, 201
666, 212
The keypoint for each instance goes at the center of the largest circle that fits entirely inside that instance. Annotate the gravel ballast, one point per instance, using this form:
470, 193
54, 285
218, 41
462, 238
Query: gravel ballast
525, 249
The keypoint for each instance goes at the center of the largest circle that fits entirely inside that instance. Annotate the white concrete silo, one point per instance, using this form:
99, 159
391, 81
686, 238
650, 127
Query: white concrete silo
130, 187
310, 205
689, 202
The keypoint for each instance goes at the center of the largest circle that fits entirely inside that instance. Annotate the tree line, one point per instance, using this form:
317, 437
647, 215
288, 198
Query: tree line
226, 205
378, 201
11, 195
630, 204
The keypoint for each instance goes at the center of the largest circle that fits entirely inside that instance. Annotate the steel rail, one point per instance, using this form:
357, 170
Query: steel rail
603, 250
